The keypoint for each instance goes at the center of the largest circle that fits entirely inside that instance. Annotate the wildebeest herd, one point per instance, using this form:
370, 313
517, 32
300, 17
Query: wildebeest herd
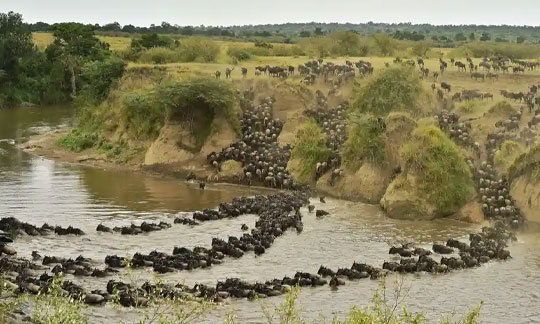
264, 161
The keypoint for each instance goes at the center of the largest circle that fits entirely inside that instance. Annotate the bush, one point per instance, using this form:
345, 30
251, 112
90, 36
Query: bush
394, 89
365, 143
443, 175
159, 55
198, 49
78, 141
238, 53
309, 149
98, 77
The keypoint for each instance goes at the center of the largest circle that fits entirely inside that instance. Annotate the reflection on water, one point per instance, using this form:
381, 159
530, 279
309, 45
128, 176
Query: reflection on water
38, 190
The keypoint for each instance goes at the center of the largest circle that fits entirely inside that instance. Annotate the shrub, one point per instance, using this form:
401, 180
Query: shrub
394, 89
238, 53
78, 141
198, 49
443, 175
365, 143
309, 149
159, 55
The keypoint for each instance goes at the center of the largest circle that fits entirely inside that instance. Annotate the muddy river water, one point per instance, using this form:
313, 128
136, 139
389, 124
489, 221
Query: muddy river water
38, 190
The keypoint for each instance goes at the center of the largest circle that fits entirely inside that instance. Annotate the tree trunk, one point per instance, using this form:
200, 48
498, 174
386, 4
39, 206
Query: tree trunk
73, 83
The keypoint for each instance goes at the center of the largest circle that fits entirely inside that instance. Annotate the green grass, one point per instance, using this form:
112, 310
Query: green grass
529, 161
506, 155
365, 143
309, 149
77, 141
394, 89
443, 175
42, 40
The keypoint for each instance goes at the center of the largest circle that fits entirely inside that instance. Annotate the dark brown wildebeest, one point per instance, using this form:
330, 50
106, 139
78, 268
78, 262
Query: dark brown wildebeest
420, 61
433, 87
425, 72
228, 72
517, 69
261, 69
435, 76
477, 75
291, 70
218, 74
461, 66
244, 72
490, 75
485, 65
447, 87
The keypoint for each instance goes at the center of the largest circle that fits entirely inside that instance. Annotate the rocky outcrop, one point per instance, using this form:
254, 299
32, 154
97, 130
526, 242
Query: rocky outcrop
368, 184
435, 182
524, 177
525, 190
403, 200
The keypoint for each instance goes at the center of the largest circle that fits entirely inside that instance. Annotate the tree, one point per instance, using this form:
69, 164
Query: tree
15, 43
460, 37
115, 26
305, 33
485, 37
346, 43
318, 31
74, 44
520, 39
472, 37
421, 48
385, 44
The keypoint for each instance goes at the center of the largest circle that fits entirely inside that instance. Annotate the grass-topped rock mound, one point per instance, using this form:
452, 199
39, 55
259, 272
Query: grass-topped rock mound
524, 177
369, 157
172, 122
308, 150
394, 89
435, 181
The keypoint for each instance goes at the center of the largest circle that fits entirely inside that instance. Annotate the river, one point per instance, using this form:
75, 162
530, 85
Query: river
37, 190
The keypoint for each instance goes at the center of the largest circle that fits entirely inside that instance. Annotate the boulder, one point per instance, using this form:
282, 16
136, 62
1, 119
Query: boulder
368, 184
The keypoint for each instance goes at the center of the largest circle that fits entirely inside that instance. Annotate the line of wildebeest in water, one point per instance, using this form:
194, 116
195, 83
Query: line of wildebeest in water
264, 162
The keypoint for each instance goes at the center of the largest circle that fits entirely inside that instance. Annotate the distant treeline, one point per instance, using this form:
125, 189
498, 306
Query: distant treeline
443, 35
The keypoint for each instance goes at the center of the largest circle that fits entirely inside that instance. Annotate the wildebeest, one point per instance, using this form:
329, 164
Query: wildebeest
447, 87
228, 72
244, 72
461, 66
218, 74
477, 75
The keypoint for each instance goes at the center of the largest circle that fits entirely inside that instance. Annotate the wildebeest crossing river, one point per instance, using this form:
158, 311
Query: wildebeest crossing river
38, 190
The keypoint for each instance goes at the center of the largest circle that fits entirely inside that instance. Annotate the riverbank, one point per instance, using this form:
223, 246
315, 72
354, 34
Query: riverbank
46, 145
